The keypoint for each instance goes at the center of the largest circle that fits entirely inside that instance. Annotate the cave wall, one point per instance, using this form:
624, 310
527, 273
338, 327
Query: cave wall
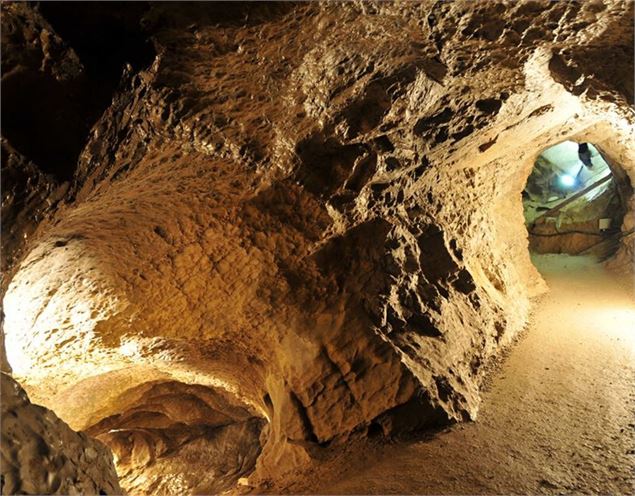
314, 208
619, 153
42, 455
174, 438
43, 131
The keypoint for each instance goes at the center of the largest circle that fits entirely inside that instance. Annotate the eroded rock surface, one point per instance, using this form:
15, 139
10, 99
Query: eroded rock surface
315, 208
174, 438
42, 455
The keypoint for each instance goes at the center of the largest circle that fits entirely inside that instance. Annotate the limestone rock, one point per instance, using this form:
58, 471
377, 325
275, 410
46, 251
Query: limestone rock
315, 208
174, 438
42, 455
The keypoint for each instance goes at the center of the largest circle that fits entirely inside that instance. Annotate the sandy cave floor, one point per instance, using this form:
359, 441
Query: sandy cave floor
558, 415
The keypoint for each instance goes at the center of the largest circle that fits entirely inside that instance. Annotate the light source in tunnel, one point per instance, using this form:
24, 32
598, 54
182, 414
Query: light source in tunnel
569, 190
562, 169
567, 181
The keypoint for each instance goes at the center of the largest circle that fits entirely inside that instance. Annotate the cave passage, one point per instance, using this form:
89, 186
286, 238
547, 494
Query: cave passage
257, 247
573, 203
553, 417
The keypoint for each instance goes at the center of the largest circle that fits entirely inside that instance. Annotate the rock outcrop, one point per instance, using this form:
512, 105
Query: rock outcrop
314, 209
42, 455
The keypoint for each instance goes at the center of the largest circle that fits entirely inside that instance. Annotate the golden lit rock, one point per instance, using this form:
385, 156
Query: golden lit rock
283, 225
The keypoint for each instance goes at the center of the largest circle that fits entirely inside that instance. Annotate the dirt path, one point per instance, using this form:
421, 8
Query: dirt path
558, 417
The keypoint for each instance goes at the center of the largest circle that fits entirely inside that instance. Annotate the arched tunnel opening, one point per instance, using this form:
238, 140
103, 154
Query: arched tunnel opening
321, 247
164, 427
575, 202
578, 209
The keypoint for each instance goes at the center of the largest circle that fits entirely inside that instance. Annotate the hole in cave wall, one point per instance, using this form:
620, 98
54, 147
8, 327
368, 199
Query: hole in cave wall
575, 200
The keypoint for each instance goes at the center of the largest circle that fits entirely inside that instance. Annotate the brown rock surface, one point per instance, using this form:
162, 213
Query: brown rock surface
42, 455
314, 208
172, 437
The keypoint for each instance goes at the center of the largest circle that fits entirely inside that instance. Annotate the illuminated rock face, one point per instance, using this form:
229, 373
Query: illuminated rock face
314, 210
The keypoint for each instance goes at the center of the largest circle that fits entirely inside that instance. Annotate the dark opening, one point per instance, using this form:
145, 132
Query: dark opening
47, 119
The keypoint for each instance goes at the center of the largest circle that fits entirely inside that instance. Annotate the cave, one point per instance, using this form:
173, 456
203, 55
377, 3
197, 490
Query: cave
575, 202
318, 248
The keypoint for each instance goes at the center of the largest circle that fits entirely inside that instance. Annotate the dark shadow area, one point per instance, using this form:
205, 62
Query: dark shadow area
179, 15
47, 115
45, 120
105, 36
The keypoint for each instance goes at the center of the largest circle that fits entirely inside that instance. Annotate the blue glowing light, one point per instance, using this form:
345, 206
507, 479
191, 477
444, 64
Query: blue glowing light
567, 180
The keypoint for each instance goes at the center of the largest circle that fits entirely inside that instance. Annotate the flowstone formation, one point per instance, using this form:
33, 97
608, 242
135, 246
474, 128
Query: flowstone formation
305, 220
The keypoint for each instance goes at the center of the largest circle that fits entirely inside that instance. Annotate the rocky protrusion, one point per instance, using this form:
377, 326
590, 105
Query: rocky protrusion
43, 455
